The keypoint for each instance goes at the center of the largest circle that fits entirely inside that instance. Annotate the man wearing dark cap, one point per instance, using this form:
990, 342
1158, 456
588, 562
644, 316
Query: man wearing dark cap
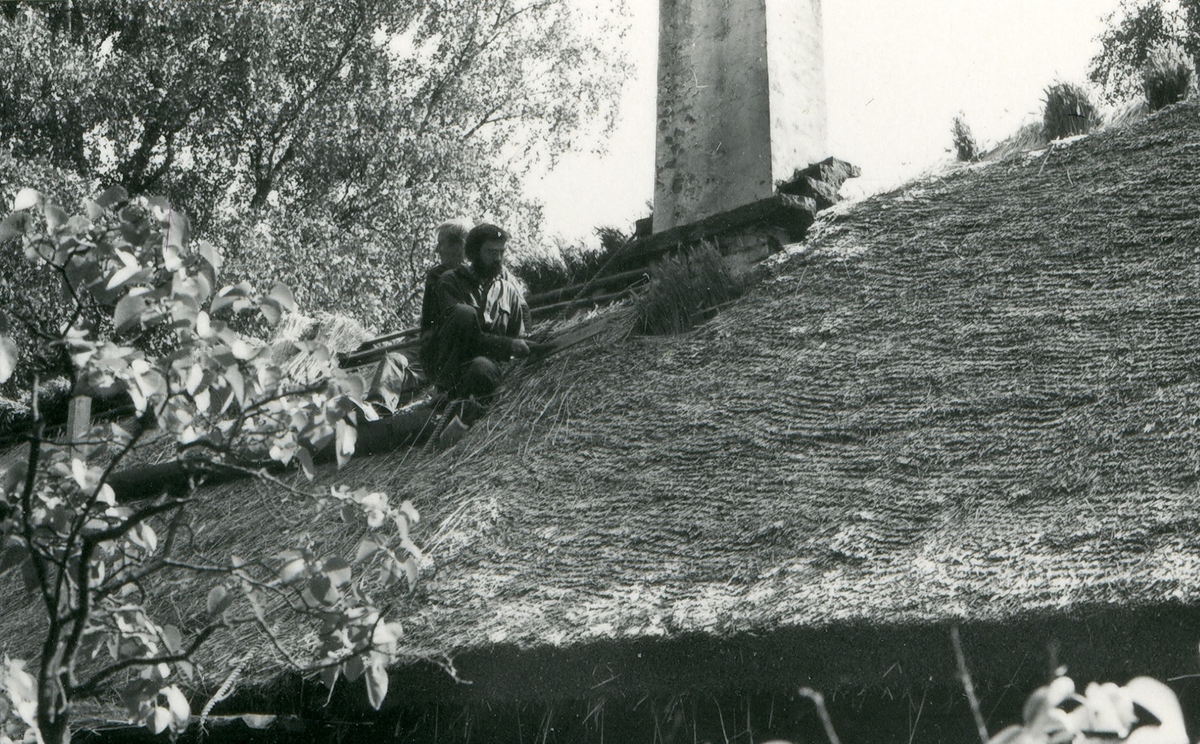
484, 318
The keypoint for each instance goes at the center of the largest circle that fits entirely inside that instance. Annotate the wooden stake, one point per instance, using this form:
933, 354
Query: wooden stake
965, 675
79, 422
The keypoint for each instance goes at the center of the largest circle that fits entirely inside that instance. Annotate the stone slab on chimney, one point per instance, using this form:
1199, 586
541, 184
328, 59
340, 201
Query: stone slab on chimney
741, 103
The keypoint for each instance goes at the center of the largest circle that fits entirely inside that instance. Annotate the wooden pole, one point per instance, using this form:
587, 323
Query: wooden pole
79, 423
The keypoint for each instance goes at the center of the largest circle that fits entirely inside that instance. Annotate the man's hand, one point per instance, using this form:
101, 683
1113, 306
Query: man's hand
520, 348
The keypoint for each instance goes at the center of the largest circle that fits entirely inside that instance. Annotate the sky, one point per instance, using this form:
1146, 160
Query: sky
897, 72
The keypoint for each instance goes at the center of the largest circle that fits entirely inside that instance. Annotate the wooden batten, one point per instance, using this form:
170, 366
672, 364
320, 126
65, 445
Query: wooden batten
79, 420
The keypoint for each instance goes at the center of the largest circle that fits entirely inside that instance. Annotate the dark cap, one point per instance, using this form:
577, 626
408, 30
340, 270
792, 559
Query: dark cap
479, 235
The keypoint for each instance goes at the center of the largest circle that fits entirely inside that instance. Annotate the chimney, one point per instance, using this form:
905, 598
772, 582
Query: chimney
741, 103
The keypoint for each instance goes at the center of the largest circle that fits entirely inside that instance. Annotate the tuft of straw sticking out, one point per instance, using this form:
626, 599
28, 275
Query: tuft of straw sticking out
1068, 112
1167, 77
965, 147
686, 290
1028, 137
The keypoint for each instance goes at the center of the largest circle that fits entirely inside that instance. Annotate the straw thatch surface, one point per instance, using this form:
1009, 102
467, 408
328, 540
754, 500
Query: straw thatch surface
974, 398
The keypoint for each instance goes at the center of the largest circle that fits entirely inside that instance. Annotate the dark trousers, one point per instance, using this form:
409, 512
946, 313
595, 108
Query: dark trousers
464, 363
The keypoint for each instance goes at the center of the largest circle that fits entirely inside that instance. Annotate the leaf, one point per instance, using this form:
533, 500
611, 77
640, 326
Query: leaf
347, 436
243, 349
366, 549
29, 576
412, 548
304, 457
236, 297
210, 254
55, 216
112, 196
271, 311
257, 721
282, 294
13, 477
159, 720
219, 600
78, 225
179, 233
377, 685
292, 570
386, 634
160, 208
353, 668
12, 556
129, 269
323, 589
149, 538
412, 571
338, 571
401, 522
181, 711
27, 198
237, 383
13, 226
79, 472
172, 638
8, 358
128, 312
172, 261
410, 511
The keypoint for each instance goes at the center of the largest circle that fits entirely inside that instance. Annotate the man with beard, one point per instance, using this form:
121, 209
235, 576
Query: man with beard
484, 318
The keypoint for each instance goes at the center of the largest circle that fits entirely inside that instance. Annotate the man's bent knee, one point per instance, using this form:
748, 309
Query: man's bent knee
480, 378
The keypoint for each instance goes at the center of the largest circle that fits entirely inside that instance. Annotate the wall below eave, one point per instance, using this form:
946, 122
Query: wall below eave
875, 677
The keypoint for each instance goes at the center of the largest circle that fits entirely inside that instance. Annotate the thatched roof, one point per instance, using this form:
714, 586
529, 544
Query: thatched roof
974, 399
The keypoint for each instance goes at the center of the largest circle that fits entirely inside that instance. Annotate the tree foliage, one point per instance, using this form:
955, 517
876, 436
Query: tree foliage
318, 138
1132, 34
224, 404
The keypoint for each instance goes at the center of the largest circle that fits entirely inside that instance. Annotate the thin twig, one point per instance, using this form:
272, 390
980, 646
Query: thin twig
913, 731
819, 701
965, 675
92, 686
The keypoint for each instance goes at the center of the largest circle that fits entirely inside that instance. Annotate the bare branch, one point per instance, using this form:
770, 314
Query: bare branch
92, 685
35, 450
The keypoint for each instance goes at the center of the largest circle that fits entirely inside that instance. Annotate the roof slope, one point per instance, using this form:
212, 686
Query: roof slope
975, 397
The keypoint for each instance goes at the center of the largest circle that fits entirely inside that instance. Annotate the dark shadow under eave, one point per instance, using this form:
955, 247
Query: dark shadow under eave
872, 674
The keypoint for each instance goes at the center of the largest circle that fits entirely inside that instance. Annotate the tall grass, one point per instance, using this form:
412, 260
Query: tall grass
1167, 76
964, 141
1069, 111
686, 290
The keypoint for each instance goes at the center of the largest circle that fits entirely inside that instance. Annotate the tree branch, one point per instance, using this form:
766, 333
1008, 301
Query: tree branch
92, 685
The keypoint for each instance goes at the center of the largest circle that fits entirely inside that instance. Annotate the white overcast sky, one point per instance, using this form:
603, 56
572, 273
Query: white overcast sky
897, 71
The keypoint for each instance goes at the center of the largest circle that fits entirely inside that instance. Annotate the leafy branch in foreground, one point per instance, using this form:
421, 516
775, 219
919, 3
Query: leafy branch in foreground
129, 268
